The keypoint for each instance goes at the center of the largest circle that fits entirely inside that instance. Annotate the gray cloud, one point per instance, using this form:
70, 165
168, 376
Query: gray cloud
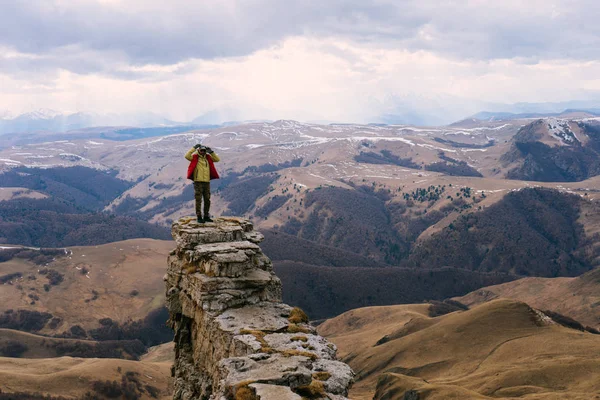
149, 33
117, 39
144, 32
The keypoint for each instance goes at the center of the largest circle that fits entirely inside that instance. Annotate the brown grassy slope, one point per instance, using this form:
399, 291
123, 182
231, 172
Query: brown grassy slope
37, 346
578, 298
115, 270
73, 377
356, 331
162, 353
10, 193
499, 349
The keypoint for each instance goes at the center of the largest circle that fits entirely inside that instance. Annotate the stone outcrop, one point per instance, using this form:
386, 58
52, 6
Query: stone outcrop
234, 338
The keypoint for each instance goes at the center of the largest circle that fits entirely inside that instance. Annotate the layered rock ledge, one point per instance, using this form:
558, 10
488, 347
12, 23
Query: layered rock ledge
234, 338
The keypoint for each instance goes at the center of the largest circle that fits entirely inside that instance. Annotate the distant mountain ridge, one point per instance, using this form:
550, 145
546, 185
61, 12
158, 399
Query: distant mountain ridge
55, 121
47, 120
504, 116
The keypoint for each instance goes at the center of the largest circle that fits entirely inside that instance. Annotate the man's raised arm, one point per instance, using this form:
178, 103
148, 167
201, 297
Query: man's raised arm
213, 155
190, 153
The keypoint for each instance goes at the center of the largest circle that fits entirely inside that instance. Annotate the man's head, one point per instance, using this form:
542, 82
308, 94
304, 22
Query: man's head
202, 150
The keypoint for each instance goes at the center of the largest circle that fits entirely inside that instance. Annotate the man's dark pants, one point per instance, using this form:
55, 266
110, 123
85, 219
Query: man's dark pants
202, 192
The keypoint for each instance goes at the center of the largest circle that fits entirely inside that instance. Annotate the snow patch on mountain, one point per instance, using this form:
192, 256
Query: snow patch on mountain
382, 138
9, 161
559, 129
432, 147
233, 135
477, 130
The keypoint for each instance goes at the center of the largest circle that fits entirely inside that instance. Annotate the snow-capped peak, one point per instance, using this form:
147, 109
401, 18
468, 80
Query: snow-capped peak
42, 113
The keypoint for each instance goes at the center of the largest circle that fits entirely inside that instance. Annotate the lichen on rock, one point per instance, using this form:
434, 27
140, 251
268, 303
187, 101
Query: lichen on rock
234, 338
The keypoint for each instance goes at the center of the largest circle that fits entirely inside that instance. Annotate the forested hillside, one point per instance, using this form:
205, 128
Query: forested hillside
354, 220
321, 259
533, 232
324, 292
87, 188
71, 214
55, 223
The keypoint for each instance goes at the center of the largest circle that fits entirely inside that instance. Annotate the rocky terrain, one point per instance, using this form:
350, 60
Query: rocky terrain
363, 336
233, 336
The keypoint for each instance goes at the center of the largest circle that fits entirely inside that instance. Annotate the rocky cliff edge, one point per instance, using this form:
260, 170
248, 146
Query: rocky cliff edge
234, 338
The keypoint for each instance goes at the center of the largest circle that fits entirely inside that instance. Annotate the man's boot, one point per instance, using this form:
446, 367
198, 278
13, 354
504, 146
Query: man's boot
200, 219
207, 219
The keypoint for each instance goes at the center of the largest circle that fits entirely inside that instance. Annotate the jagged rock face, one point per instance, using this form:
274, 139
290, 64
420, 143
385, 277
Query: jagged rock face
234, 338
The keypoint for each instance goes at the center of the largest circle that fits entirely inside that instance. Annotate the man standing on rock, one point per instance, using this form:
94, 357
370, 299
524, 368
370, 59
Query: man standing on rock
201, 171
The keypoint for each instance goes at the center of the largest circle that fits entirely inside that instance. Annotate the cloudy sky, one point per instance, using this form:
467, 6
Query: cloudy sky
342, 60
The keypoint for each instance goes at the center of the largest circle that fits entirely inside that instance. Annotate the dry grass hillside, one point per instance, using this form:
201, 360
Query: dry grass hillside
10, 193
578, 298
20, 344
162, 353
73, 378
500, 349
121, 281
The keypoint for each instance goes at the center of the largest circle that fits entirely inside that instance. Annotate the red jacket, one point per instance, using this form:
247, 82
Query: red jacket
211, 167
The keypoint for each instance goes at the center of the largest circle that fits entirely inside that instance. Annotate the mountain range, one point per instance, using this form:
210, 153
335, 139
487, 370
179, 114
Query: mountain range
475, 248
401, 111
47, 120
436, 204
